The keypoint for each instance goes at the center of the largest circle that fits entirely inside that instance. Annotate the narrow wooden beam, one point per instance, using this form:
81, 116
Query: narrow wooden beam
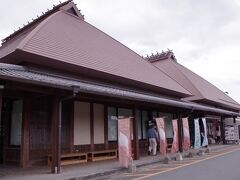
1, 135
222, 130
135, 134
180, 132
71, 131
234, 120
106, 127
56, 108
91, 127
24, 158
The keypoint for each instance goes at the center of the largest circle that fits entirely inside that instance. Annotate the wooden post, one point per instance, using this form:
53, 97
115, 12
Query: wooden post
234, 120
71, 131
91, 127
24, 159
55, 133
106, 127
1, 126
180, 133
135, 134
222, 130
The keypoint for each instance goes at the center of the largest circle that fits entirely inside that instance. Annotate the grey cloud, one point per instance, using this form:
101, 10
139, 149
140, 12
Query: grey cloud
195, 30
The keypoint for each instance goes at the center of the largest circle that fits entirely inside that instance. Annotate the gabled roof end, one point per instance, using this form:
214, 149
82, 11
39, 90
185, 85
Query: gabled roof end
67, 6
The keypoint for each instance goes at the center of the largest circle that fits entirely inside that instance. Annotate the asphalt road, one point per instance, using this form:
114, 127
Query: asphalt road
224, 165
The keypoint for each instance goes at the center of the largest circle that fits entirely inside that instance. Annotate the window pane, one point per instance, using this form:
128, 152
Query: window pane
125, 112
122, 112
112, 124
144, 123
16, 123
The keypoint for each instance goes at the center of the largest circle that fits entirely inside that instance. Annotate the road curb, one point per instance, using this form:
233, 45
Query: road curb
121, 169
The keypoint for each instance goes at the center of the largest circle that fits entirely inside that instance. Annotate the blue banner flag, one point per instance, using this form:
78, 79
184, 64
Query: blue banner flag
197, 138
205, 139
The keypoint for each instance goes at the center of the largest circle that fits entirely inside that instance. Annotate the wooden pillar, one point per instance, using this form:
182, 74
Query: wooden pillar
24, 158
222, 130
55, 134
180, 133
91, 127
234, 120
71, 131
135, 134
106, 127
1, 126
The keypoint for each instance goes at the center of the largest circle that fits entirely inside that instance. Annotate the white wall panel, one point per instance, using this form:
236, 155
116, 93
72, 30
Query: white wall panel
98, 110
81, 123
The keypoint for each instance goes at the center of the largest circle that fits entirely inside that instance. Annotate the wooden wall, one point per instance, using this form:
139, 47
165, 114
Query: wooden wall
40, 129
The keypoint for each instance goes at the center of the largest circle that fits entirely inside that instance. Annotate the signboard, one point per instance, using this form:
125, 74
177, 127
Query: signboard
175, 146
186, 134
124, 142
205, 139
197, 138
231, 133
161, 131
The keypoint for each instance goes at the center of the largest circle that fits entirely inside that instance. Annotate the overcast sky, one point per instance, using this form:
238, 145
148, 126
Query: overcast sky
204, 35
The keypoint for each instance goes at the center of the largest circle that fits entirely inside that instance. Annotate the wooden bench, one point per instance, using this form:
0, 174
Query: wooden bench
102, 155
70, 158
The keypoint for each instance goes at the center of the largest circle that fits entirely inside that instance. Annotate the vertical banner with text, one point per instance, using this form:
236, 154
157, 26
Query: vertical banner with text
124, 142
205, 139
161, 131
175, 145
186, 134
197, 138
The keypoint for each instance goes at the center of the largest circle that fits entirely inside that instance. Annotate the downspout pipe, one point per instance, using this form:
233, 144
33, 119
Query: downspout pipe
60, 128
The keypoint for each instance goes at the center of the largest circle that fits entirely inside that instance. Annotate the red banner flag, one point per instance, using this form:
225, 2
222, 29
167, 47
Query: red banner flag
124, 142
175, 146
186, 135
161, 131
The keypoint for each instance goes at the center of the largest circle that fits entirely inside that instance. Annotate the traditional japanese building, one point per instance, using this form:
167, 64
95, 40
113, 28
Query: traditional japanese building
203, 92
63, 83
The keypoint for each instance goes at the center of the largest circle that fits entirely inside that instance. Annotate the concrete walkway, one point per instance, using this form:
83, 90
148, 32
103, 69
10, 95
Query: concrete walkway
83, 171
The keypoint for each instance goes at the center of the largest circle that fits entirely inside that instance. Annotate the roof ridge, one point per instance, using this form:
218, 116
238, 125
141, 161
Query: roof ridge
44, 15
164, 55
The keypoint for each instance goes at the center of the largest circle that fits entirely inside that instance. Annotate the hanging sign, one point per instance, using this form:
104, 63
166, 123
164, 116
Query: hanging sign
124, 142
186, 135
175, 146
205, 139
161, 131
197, 138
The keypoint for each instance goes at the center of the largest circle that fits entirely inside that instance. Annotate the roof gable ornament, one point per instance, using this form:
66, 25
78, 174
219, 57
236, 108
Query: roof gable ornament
164, 55
72, 9
67, 6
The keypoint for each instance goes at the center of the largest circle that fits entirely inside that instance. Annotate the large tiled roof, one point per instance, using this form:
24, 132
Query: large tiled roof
39, 77
65, 37
201, 89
